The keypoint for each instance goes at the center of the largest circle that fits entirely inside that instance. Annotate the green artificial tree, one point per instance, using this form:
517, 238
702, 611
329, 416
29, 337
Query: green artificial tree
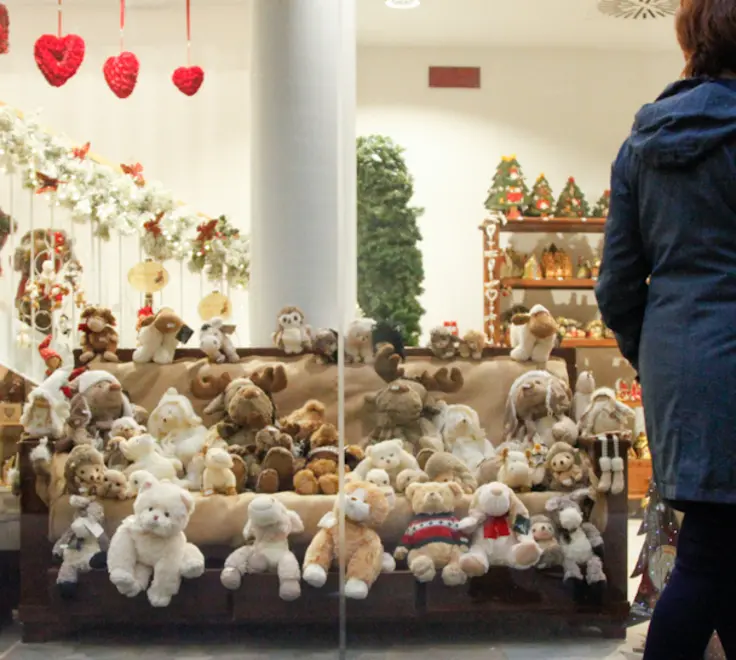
571, 203
390, 269
508, 190
600, 210
540, 201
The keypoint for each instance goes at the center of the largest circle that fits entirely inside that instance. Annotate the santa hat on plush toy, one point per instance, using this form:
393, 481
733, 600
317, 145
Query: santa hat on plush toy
48, 354
89, 378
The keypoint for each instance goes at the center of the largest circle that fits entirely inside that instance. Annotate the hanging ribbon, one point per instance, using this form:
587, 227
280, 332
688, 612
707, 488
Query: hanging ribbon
122, 25
59, 21
189, 33
188, 79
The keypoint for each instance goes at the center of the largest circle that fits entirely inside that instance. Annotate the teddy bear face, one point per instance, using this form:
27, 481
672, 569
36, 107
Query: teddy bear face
98, 318
265, 510
248, 405
365, 503
125, 427
114, 483
386, 455
378, 478
543, 530
162, 508
433, 497
562, 462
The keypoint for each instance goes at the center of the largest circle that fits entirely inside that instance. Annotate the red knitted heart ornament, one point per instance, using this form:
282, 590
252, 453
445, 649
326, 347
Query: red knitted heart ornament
121, 74
188, 79
59, 58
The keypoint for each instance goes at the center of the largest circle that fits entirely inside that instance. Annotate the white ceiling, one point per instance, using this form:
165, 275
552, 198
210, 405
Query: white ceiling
471, 23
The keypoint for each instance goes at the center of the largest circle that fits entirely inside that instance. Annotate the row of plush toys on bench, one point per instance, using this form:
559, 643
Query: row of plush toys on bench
150, 552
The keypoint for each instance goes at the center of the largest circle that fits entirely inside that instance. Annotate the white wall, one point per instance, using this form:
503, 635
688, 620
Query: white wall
197, 147
562, 112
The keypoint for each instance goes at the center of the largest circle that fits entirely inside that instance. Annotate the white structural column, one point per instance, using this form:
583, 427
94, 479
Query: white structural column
303, 162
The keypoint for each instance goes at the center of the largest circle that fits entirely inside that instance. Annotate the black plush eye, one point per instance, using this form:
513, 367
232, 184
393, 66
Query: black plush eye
166, 514
150, 508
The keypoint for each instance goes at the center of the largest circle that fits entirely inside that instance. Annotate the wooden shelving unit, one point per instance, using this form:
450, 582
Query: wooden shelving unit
493, 259
587, 342
521, 283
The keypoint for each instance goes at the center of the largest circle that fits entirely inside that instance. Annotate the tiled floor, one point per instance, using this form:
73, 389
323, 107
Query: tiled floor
439, 645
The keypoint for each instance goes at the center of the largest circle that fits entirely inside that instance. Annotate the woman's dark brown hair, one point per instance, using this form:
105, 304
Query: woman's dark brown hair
706, 30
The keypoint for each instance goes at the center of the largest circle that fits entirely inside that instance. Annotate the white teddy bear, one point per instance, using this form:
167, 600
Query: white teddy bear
151, 543
141, 451
388, 455
381, 479
269, 523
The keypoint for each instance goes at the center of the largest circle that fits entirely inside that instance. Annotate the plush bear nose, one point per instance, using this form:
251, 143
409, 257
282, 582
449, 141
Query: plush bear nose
114, 387
496, 490
155, 517
250, 393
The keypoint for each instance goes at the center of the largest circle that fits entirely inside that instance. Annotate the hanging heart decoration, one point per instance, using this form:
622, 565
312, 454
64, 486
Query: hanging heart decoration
188, 79
4, 29
121, 73
59, 58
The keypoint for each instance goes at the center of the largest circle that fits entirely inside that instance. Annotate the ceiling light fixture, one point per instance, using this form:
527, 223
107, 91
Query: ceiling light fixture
403, 4
638, 9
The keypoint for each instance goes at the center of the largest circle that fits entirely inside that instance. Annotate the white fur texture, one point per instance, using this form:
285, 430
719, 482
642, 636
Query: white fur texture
151, 543
525, 346
463, 436
388, 455
218, 476
154, 346
141, 450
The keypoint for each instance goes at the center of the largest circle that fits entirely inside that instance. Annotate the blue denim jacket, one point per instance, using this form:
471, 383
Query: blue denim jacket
667, 285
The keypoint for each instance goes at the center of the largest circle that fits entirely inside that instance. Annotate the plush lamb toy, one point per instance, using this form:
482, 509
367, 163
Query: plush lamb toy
84, 539
581, 543
366, 508
151, 542
533, 335
501, 531
269, 523
215, 342
159, 336
142, 453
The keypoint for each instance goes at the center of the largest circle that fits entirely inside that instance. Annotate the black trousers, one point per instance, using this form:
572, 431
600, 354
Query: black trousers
700, 596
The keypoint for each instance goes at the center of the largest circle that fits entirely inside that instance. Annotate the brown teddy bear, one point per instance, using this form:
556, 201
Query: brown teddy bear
84, 471
114, 486
271, 463
438, 467
366, 508
568, 468
99, 336
472, 344
320, 475
432, 540
304, 421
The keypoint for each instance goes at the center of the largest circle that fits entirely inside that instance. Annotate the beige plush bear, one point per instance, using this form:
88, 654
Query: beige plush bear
565, 466
141, 451
432, 540
545, 534
114, 486
269, 525
381, 479
218, 476
388, 455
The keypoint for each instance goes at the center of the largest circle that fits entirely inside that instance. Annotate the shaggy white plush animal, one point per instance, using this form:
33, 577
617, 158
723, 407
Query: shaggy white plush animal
151, 542
533, 335
141, 451
215, 342
388, 455
463, 436
180, 432
269, 523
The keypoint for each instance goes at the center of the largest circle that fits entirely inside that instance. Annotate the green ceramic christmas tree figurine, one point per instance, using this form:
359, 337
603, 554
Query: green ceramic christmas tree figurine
540, 202
600, 210
571, 203
508, 190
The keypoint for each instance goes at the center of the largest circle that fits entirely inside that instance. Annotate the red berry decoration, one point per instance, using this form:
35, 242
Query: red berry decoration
121, 73
59, 58
188, 79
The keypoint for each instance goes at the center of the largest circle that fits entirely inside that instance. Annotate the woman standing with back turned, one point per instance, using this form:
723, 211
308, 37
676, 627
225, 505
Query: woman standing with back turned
673, 219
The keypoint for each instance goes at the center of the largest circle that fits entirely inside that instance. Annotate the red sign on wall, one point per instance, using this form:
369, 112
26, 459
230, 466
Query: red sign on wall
460, 77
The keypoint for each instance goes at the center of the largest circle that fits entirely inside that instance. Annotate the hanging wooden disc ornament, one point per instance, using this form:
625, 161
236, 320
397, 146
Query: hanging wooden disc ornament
148, 277
215, 304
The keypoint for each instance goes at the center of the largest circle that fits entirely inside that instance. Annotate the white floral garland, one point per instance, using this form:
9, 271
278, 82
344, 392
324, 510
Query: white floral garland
111, 200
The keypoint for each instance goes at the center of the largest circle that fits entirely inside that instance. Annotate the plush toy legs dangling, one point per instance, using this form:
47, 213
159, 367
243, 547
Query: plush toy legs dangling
604, 485
617, 467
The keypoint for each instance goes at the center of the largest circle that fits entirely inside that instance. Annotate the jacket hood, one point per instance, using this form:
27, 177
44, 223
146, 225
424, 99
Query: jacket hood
689, 120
